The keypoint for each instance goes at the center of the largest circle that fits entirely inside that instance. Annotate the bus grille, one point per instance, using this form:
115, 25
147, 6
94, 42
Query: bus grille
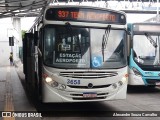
86, 87
152, 81
97, 98
88, 74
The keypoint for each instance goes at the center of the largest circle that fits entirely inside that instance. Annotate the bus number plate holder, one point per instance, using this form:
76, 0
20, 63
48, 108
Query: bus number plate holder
89, 95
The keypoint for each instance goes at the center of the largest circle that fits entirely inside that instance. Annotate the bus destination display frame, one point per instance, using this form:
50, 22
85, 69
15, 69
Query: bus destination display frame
85, 15
146, 28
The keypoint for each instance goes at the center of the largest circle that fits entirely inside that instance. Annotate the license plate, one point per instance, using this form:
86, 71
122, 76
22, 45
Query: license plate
89, 95
157, 83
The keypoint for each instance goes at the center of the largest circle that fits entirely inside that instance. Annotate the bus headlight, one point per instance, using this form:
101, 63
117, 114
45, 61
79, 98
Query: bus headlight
124, 79
62, 87
54, 84
114, 86
136, 72
51, 82
48, 79
121, 82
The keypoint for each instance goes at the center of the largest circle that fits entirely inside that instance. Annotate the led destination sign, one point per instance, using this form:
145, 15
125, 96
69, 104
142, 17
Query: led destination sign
146, 27
85, 15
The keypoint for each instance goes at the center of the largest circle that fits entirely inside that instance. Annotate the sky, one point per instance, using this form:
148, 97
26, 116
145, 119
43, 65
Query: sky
131, 18
27, 22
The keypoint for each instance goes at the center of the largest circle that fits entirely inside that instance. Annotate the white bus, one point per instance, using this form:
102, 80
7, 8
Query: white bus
79, 54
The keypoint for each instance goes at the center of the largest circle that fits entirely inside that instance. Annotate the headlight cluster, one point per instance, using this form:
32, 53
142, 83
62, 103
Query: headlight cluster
54, 84
136, 72
51, 82
121, 82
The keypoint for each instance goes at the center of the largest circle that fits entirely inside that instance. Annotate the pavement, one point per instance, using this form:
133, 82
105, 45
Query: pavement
12, 94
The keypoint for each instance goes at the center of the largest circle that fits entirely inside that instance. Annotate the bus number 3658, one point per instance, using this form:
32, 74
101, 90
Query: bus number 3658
73, 82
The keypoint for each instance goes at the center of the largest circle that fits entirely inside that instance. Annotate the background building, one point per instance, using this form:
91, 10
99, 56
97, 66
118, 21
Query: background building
7, 30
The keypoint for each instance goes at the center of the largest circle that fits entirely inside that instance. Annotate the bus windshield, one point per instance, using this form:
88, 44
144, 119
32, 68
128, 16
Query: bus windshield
75, 47
146, 49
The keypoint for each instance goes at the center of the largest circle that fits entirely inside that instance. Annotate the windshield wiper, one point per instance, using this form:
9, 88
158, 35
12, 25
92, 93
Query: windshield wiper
105, 39
68, 27
151, 40
70, 31
154, 43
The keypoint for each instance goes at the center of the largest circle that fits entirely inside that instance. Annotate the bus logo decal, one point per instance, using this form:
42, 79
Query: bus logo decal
90, 85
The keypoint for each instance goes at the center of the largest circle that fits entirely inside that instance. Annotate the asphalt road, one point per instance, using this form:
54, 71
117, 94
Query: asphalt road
139, 100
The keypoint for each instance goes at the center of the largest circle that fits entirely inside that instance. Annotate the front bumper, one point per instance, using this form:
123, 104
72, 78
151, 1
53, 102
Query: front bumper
51, 95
